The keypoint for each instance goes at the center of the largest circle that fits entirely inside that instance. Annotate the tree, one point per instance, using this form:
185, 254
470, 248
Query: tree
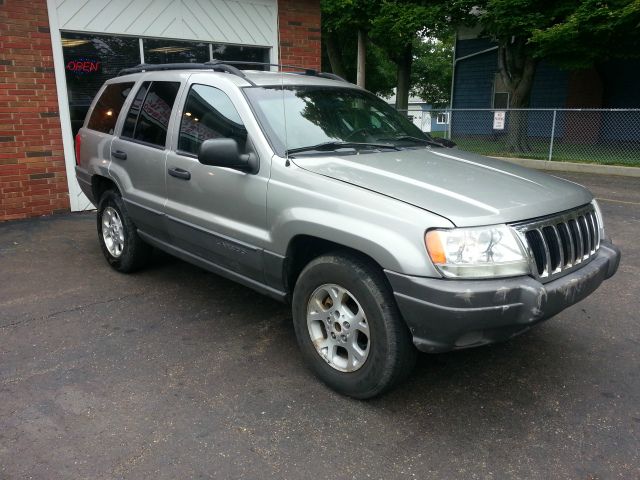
570, 33
431, 75
392, 26
339, 55
341, 17
399, 23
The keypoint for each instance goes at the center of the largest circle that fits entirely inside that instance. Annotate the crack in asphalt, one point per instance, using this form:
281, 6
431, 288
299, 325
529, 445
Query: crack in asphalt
68, 310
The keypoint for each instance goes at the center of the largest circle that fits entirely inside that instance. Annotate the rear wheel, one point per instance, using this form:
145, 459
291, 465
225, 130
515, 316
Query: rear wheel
348, 326
122, 247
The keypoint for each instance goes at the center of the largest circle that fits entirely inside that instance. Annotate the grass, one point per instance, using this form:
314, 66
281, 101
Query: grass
626, 154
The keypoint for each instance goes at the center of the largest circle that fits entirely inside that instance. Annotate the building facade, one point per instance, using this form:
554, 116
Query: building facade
478, 92
477, 84
55, 55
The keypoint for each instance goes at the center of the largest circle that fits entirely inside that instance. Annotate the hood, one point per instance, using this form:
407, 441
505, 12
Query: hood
466, 188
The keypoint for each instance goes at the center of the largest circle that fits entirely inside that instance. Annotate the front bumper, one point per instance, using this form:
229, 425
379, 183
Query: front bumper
452, 314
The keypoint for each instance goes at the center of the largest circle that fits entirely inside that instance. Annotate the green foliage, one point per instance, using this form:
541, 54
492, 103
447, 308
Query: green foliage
348, 15
431, 72
381, 74
571, 33
593, 31
398, 23
393, 28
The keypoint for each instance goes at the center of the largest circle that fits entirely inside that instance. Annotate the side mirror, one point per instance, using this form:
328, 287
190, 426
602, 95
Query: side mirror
223, 152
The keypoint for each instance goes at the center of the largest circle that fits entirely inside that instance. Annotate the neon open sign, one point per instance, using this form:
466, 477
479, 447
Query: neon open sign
83, 65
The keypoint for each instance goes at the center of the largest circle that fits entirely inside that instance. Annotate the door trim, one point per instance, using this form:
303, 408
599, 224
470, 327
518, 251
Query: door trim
214, 267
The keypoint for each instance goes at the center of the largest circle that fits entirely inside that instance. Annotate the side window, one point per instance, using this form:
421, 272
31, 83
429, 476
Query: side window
208, 113
152, 118
132, 117
105, 114
500, 93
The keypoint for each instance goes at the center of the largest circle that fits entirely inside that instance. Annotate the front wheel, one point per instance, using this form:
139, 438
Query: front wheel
122, 247
348, 326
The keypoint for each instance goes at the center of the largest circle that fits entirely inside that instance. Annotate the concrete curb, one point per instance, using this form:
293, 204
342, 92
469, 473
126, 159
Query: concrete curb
574, 167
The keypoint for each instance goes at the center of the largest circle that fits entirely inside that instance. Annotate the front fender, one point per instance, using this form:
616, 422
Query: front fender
388, 230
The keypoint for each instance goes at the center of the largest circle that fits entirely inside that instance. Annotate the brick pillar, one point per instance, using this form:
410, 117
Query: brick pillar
299, 23
32, 169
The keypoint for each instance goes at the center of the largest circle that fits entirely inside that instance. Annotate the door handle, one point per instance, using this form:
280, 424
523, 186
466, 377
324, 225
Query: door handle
119, 154
179, 173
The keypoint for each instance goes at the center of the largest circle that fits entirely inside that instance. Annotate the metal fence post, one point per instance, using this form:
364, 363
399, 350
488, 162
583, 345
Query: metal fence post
553, 134
449, 118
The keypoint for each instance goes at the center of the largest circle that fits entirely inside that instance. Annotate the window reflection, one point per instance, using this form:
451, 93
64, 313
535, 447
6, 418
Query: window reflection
174, 51
89, 61
209, 113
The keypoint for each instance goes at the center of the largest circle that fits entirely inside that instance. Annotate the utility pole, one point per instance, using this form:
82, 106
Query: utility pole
362, 58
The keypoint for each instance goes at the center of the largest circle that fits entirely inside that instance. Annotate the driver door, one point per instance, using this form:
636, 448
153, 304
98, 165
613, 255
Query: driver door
215, 214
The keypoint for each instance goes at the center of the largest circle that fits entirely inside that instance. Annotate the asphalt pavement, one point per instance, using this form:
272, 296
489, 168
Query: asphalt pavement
176, 373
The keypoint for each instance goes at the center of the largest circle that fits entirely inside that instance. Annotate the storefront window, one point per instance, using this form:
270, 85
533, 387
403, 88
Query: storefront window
237, 52
174, 51
90, 60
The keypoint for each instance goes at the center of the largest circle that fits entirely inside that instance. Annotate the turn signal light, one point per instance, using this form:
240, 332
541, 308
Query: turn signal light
435, 248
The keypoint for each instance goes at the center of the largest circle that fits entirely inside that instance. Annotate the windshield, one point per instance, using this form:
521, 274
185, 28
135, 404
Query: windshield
323, 117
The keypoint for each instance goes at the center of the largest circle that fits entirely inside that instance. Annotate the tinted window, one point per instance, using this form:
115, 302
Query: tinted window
209, 113
134, 111
153, 118
105, 114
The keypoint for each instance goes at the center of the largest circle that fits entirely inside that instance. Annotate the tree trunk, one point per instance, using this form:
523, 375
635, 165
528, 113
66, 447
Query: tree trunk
404, 78
517, 70
362, 58
335, 56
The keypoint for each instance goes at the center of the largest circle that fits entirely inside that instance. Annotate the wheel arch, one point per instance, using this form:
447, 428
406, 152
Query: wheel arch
304, 248
99, 185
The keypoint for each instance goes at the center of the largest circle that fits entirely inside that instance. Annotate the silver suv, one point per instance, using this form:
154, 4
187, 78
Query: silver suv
315, 192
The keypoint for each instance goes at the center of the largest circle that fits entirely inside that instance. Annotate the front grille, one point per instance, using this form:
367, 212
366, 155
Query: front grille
560, 243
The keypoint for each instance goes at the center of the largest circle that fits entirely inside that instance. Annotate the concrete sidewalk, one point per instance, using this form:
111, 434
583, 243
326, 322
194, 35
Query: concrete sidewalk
175, 373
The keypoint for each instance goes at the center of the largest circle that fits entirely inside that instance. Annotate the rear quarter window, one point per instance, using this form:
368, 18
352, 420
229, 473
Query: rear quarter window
148, 117
105, 114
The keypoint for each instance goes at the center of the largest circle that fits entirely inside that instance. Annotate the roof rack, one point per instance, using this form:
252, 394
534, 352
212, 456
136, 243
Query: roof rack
304, 71
215, 66
224, 66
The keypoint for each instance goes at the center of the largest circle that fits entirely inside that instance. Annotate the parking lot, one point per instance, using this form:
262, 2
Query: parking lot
177, 373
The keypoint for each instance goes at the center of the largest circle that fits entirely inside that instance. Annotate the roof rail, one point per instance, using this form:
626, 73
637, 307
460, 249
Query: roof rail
216, 67
304, 71
224, 66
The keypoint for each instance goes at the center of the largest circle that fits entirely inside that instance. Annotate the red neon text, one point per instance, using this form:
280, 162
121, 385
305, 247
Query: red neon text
85, 66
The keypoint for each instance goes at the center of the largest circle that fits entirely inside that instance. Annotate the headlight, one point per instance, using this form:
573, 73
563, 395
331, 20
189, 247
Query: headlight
596, 207
478, 252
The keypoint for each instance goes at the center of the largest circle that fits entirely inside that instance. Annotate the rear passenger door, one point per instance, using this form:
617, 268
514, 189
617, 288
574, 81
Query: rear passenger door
138, 154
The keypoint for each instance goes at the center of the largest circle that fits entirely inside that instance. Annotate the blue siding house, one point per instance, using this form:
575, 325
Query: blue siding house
477, 85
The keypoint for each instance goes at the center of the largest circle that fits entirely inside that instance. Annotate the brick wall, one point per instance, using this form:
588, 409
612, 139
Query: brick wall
32, 170
299, 22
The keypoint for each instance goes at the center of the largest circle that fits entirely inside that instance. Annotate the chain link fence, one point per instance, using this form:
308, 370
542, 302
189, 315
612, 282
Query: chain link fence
604, 136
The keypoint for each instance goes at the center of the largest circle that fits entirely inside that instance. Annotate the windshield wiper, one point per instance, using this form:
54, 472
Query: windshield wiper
329, 146
410, 138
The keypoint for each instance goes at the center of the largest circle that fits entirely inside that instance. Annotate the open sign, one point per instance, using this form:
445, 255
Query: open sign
83, 65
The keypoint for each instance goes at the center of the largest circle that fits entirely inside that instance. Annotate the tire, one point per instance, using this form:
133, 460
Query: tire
118, 236
356, 366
